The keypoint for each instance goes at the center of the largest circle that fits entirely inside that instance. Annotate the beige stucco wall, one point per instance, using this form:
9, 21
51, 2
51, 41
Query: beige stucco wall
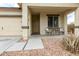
24, 21
10, 12
77, 21
61, 20
44, 22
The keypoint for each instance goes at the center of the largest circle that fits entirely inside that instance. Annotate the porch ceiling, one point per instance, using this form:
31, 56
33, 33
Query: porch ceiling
53, 10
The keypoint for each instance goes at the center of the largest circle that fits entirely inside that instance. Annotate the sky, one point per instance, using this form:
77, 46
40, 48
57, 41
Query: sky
9, 5
70, 18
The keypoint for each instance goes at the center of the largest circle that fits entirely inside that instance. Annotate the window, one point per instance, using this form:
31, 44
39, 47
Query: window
52, 21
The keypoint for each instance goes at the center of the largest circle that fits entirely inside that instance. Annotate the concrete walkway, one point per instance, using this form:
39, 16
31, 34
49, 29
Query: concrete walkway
34, 42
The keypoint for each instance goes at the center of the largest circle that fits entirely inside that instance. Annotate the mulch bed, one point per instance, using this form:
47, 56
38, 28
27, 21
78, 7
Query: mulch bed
52, 47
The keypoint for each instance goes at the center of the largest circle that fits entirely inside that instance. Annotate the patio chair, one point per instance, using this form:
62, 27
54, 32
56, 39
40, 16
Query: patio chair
61, 31
48, 31
57, 31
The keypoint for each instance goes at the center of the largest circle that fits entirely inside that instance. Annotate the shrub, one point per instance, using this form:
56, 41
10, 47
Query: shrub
71, 43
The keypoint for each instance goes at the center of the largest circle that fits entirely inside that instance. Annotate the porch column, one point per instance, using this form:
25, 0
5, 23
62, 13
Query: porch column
65, 24
77, 21
25, 26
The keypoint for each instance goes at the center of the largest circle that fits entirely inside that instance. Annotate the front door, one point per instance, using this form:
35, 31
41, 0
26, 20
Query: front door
36, 24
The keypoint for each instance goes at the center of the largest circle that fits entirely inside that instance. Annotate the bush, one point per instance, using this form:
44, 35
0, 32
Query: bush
71, 43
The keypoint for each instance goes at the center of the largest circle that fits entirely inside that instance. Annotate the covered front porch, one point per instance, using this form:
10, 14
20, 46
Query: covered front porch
47, 19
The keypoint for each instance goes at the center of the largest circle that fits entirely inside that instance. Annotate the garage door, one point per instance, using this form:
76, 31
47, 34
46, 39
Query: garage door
10, 25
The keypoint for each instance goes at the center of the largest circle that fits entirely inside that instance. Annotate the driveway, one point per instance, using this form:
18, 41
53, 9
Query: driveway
7, 42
